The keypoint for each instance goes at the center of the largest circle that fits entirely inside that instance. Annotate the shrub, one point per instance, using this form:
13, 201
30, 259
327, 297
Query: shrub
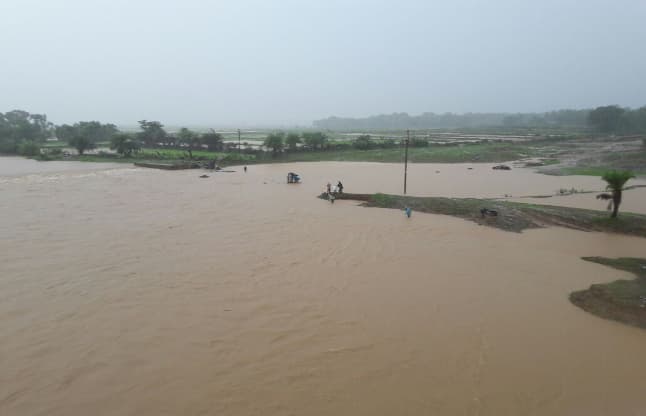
29, 149
419, 142
386, 144
6, 147
363, 142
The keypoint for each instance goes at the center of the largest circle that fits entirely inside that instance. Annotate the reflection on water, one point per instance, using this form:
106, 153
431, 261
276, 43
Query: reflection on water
133, 291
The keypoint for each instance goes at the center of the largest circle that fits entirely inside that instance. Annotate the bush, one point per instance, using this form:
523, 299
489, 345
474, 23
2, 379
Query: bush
419, 142
29, 149
6, 147
335, 146
108, 155
386, 144
363, 142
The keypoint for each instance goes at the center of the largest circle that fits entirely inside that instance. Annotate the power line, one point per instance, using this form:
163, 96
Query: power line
406, 160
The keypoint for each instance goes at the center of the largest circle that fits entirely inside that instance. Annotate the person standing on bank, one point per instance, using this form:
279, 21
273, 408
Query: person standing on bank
340, 186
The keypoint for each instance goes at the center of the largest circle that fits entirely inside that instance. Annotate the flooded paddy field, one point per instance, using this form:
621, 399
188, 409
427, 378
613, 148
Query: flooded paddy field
126, 291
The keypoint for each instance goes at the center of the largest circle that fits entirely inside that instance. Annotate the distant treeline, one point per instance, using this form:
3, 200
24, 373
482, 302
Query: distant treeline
25, 133
609, 119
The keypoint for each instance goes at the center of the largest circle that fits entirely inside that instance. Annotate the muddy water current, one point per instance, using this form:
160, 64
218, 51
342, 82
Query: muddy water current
127, 291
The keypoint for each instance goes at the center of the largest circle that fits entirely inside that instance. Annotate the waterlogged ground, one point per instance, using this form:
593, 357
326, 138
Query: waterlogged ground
127, 291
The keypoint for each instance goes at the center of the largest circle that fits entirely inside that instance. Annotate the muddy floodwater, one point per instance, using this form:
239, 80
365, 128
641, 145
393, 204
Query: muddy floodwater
126, 291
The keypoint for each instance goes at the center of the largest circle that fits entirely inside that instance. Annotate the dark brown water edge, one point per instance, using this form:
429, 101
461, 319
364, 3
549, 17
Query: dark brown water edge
508, 216
622, 300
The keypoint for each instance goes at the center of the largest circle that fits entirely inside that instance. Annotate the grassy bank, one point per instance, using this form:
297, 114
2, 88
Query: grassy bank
478, 152
618, 300
491, 152
512, 216
166, 156
560, 155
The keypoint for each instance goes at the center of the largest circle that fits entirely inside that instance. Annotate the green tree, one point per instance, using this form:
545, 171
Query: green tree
189, 139
214, 141
363, 142
152, 132
95, 131
315, 140
616, 180
606, 119
275, 142
66, 132
125, 144
81, 144
17, 127
292, 140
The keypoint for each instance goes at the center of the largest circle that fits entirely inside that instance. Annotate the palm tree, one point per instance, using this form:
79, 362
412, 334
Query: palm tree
616, 180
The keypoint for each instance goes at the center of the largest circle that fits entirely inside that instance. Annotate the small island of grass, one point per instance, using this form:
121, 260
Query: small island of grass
511, 216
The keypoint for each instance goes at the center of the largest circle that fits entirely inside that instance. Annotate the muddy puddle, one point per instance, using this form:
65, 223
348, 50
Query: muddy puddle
132, 291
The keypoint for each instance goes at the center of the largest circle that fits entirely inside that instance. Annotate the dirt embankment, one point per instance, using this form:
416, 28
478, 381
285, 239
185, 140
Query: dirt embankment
508, 216
621, 300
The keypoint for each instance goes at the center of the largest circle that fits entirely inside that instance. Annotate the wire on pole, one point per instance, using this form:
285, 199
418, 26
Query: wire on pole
406, 160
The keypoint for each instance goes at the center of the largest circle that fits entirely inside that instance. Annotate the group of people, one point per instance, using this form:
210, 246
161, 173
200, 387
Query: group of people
332, 191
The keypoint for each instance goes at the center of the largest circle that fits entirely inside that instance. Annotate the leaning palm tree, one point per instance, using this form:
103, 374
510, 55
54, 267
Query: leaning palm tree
616, 179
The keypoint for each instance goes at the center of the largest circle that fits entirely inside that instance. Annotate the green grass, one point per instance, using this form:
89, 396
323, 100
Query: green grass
512, 216
54, 144
618, 300
549, 148
178, 154
551, 161
582, 170
156, 155
480, 152
633, 160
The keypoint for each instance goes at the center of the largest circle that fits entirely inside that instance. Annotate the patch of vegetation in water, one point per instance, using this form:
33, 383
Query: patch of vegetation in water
621, 300
510, 216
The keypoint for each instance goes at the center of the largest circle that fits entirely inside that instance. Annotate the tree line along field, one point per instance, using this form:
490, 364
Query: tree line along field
589, 151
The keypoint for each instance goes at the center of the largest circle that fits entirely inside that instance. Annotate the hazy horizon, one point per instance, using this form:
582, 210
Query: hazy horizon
287, 63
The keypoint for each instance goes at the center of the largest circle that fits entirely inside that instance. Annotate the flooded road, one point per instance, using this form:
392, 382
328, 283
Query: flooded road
140, 292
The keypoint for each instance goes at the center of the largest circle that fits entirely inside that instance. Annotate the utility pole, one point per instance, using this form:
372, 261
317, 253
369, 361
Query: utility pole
406, 160
239, 148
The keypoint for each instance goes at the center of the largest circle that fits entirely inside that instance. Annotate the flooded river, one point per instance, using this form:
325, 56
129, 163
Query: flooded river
127, 291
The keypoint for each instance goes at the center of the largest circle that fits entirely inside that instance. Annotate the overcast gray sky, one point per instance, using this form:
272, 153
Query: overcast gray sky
281, 62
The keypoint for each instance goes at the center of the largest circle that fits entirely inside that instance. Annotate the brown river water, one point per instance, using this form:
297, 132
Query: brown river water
126, 291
